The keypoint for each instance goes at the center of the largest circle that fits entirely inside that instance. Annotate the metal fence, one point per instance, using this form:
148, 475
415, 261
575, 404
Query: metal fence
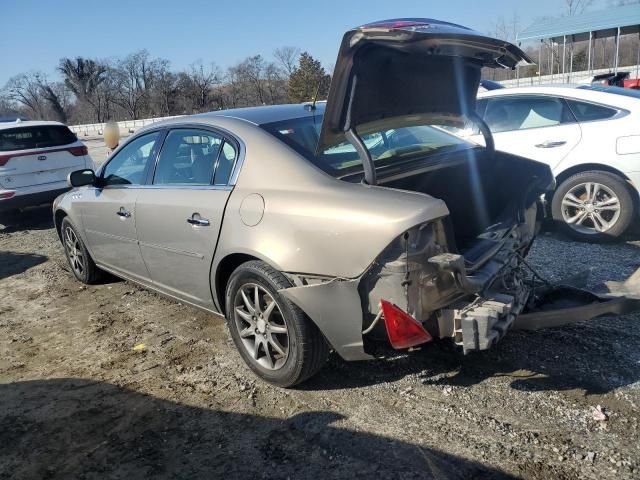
573, 77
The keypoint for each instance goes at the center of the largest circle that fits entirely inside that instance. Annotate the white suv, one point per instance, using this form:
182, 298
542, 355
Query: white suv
589, 136
35, 159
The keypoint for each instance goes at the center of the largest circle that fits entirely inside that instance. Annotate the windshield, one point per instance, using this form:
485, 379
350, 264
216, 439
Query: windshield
385, 147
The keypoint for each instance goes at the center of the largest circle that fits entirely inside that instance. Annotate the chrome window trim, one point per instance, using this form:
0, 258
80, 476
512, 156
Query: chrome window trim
529, 95
620, 112
228, 135
166, 187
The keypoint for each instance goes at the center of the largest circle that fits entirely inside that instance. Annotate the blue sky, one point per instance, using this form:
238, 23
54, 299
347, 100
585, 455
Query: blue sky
36, 34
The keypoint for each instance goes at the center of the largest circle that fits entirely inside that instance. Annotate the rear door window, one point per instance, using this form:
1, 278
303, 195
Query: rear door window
226, 161
588, 112
41, 136
188, 157
511, 113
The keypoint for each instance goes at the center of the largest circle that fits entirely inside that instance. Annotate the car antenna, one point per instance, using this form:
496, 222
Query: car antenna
312, 107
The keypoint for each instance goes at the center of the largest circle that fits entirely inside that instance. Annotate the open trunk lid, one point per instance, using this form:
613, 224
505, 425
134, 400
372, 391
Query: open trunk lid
406, 72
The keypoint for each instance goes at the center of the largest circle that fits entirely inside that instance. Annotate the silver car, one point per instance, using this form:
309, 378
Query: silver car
327, 226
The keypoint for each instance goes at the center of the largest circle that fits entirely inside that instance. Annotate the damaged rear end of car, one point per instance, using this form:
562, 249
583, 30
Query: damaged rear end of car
398, 86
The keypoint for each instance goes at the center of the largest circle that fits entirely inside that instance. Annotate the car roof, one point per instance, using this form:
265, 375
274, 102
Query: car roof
28, 123
605, 96
266, 114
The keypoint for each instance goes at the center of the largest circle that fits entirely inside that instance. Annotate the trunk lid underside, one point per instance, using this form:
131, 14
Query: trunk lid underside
401, 72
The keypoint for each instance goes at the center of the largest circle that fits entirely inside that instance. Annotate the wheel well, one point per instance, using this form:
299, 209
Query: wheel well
225, 269
585, 167
58, 217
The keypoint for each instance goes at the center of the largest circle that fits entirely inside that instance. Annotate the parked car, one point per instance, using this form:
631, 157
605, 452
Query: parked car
35, 159
611, 79
589, 137
324, 227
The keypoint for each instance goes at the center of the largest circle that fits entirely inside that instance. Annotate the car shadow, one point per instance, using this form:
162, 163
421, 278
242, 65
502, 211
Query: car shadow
558, 359
556, 229
76, 428
35, 218
14, 263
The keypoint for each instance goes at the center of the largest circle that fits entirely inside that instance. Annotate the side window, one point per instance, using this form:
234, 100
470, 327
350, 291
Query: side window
585, 112
188, 157
128, 166
520, 113
226, 161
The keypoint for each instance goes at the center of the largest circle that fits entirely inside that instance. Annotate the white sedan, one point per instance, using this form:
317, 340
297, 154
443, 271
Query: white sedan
589, 136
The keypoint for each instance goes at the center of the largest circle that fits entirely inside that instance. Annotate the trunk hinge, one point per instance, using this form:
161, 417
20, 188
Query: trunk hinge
354, 139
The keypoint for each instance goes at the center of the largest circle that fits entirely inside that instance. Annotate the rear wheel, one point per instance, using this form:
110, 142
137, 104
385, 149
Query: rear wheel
593, 206
80, 261
274, 337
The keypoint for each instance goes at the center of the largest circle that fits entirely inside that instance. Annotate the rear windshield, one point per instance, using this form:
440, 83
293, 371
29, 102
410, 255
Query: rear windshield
43, 136
385, 147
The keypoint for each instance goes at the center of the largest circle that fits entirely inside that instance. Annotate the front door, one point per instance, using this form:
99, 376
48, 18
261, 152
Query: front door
180, 214
108, 212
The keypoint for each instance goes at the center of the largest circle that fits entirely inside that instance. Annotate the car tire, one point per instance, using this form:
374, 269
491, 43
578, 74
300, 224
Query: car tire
78, 257
257, 338
581, 187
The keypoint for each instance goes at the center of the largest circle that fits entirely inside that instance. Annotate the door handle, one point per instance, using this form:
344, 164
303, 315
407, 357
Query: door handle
551, 144
196, 219
123, 213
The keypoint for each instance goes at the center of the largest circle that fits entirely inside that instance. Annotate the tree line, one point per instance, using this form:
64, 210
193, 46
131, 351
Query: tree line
140, 86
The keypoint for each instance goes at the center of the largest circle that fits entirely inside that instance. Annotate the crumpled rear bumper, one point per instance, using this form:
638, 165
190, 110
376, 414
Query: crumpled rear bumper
336, 308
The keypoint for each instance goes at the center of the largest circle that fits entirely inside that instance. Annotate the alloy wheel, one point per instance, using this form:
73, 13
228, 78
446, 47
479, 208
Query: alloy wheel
74, 251
591, 208
261, 326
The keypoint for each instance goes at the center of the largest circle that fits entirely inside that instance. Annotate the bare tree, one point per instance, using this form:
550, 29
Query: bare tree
25, 90
56, 95
576, 7
134, 77
83, 77
287, 57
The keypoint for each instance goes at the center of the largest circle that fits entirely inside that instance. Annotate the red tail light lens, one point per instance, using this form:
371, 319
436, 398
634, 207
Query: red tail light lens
4, 159
403, 330
78, 151
6, 195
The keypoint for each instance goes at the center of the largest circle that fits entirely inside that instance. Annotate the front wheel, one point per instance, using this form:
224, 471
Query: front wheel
593, 206
274, 337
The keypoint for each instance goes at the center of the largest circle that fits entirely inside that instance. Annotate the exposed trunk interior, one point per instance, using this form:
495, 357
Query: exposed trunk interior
480, 191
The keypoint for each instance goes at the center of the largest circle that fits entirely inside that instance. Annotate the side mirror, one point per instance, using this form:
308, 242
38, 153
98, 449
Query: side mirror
80, 178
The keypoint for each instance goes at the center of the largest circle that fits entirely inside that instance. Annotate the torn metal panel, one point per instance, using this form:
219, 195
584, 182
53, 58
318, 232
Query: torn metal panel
565, 305
336, 309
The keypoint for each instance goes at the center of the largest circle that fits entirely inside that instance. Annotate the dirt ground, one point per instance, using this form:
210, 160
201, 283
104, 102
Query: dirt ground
78, 401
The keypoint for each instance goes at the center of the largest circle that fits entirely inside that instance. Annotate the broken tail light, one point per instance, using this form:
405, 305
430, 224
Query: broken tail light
403, 330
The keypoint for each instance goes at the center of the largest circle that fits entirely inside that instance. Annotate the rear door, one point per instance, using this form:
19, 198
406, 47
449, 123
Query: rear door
180, 214
39, 155
108, 212
539, 127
